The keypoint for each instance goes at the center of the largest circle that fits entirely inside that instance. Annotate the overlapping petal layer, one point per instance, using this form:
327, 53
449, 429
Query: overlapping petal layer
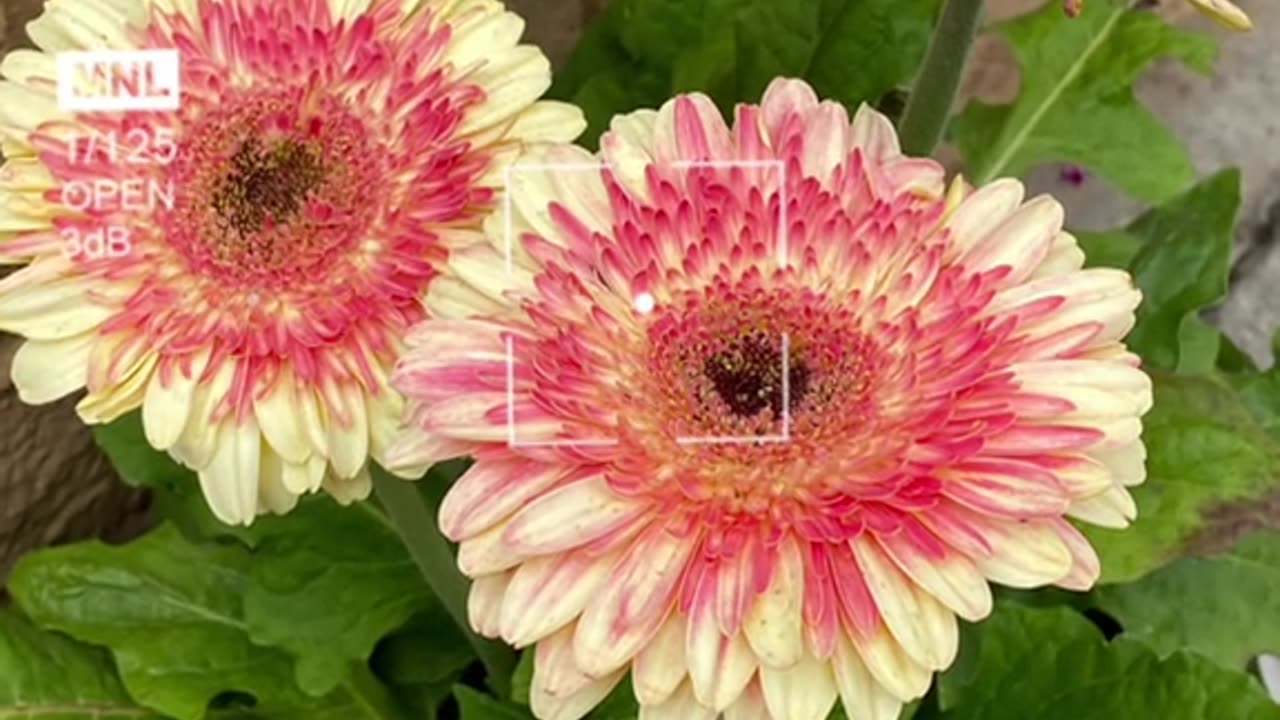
325, 156
758, 410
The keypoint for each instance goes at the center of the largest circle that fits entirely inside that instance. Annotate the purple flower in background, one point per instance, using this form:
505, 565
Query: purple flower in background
1073, 175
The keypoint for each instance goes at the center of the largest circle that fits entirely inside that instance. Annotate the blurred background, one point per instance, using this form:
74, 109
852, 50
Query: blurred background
56, 487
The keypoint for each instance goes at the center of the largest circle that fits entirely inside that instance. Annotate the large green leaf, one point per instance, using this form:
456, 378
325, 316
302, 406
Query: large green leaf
171, 612
1180, 255
1053, 664
48, 676
641, 51
423, 660
1182, 267
1076, 101
1224, 606
326, 583
1206, 455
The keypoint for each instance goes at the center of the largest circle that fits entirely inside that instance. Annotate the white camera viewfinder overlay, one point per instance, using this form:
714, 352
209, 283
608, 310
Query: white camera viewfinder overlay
645, 303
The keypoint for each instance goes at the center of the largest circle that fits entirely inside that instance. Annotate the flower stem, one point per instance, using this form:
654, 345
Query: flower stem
370, 694
414, 518
929, 105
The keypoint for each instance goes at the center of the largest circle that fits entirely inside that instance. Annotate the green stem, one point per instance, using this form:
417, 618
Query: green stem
415, 520
929, 105
370, 694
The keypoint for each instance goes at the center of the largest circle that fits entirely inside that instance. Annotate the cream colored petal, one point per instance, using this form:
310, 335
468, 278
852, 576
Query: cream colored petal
1020, 241
720, 666
81, 26
488, 552
1113, 508
925, 628
349, 442
306, 476
1086, 567
548, 592
873, 133
1127, 464
1024, 554
628, 149
679, 705
168, 405
954, 580
804, 691
774, 621
349, 490
106, 403
481, 34
46, 370
30, 67
484, 603
981, 213
890, 665
23, 109
1225, 12
864, 698
273, 496
491, 490
616, 625
199, 439
278, 416
230, 480
660, 665
508, 98
560, 689
570, 516
750, 705
1064, 256
549, 121
49, 308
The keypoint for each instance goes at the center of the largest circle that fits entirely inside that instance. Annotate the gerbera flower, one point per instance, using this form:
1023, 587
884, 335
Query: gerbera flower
243, 269
758, 410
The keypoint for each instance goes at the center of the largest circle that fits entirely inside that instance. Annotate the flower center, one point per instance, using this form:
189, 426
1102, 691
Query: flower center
266, 185
273, 186
748, 375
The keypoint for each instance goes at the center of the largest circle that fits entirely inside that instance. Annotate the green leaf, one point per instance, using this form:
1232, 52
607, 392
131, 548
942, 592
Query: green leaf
1208, 462
423, 660
1076, 101
327, 583
475, 705
1110, 248
1222, 606
869, 47
49, 676
522, 678
1181, 267
640, 52
139, 464
1052, 664
171, 614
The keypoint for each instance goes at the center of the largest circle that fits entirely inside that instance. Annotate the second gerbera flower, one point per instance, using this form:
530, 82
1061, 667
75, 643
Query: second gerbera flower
758, 410
324, 157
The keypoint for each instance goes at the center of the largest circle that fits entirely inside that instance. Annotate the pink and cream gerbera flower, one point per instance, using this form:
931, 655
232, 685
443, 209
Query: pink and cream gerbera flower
758, 411
244, 269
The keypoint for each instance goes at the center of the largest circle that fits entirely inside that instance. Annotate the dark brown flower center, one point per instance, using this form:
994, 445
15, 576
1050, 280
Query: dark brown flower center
266, 184
748, 375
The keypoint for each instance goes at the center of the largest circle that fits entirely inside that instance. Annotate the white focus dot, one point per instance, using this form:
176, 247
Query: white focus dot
645, 303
